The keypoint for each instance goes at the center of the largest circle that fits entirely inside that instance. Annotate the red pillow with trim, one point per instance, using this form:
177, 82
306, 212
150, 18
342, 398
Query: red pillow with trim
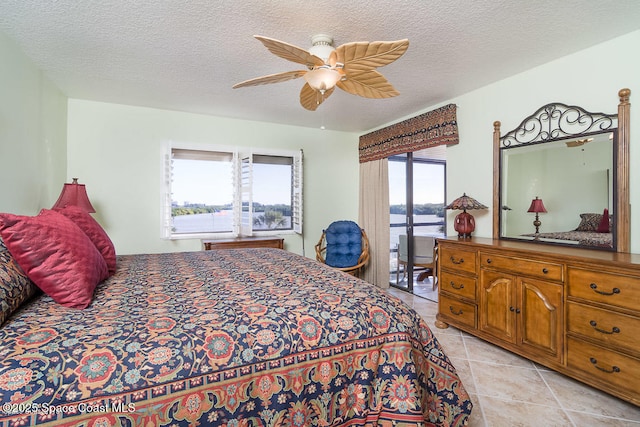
56, 255
95, 232
604, 227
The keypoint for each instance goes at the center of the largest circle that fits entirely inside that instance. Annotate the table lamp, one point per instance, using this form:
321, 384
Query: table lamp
465, 223
538, 207
74, 194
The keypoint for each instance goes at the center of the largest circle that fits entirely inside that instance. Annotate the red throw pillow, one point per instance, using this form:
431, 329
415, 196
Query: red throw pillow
56, 255
603, 227
95, 232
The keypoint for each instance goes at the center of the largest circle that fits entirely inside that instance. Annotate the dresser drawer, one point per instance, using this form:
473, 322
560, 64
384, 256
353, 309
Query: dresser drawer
607, 288
462, 286
522, 267
609, 328
616, 369
456, 310
458, 259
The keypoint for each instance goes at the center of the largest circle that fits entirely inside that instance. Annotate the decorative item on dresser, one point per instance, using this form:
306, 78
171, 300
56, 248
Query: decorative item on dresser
464, 223
573, 310
245, 242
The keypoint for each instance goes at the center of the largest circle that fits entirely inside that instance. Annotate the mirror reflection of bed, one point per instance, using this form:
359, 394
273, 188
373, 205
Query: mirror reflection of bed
573, 177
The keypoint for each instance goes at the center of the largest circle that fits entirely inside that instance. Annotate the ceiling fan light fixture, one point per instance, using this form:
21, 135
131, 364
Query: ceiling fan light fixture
322, 46
323, 78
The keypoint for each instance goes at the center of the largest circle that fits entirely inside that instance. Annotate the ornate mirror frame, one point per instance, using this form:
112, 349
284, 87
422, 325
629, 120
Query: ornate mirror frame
556, 122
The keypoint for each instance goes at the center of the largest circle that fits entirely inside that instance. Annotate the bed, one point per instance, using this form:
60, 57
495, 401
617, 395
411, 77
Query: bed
594, 230
589, 238
238, 337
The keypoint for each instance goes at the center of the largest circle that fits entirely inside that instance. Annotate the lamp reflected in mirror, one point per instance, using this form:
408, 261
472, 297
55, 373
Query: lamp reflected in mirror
537, 206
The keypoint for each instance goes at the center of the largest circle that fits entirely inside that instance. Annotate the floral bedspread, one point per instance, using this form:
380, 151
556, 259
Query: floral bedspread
590, 238
243, 337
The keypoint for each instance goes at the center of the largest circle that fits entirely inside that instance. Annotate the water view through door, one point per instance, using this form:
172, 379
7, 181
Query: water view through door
417, 199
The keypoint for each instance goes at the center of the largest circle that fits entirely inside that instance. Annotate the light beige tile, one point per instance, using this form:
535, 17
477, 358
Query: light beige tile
582, 419
576, 396
483, 351
511, 383
451, 330
500, 412
425, 304
476, 419
464, 372
453, 345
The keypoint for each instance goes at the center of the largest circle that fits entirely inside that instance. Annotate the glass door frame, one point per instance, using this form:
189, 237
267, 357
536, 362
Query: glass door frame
409, 222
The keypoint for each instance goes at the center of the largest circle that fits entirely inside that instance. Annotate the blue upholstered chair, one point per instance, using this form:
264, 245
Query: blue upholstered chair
344, 246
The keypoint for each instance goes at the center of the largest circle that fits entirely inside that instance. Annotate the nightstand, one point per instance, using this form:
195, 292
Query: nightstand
244, 242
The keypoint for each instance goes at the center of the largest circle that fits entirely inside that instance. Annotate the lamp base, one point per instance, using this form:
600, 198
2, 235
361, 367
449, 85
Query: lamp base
464, 224
537, 223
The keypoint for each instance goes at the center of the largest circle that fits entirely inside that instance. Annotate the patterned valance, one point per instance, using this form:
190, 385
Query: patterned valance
436, 127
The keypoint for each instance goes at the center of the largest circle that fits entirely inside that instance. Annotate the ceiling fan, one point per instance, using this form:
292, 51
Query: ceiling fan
351, 67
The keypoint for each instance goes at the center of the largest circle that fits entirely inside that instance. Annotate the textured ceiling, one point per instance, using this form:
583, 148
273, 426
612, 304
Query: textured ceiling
187, 54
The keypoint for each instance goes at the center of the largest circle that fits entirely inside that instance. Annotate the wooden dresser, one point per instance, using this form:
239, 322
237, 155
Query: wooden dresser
573, 310
244, 242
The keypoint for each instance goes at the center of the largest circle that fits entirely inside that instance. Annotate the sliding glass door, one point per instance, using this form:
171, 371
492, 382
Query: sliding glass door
417, 200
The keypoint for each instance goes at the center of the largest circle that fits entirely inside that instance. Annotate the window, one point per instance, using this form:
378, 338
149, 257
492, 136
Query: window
222, 191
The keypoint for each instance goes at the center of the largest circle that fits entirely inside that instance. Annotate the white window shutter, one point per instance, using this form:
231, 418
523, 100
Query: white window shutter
166, 200
246, 205
296, 219
237, 194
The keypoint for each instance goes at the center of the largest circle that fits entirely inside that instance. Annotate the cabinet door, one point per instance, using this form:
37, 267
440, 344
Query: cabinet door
540, 317
497, 304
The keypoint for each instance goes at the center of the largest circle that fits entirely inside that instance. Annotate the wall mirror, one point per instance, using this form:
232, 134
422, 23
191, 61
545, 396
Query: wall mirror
562, 177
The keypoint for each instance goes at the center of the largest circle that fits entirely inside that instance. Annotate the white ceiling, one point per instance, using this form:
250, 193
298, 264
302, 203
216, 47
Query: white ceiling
186, 54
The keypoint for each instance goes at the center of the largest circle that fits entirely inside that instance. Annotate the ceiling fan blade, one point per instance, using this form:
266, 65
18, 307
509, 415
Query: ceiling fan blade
311, 98
368, 84
271, 78
333, 59
362, 56
290, 52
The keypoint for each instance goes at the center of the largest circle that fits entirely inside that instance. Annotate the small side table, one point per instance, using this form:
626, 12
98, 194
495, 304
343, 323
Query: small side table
245, 242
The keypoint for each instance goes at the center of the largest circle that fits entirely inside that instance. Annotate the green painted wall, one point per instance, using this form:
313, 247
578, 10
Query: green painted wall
33, 126
116, 151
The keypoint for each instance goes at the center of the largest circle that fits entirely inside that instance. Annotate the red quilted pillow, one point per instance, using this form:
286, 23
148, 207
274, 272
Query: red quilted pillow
95, 232
603, 227
56, 255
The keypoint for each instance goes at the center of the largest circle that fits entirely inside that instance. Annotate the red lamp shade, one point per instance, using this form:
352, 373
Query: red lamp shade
537, 206
74, 194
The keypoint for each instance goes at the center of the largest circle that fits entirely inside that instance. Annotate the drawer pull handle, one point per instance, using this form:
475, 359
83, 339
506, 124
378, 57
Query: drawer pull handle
517, 310
488, 260
595, 289
614, 369
458, 313
456, 261
614, 330
453, 285
545, 271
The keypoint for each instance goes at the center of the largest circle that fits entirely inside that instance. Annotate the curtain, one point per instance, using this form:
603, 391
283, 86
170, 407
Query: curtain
433, 128
436, 127
374, 219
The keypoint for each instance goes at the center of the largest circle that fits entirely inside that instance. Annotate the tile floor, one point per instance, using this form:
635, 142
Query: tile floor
510, 391
422, 288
